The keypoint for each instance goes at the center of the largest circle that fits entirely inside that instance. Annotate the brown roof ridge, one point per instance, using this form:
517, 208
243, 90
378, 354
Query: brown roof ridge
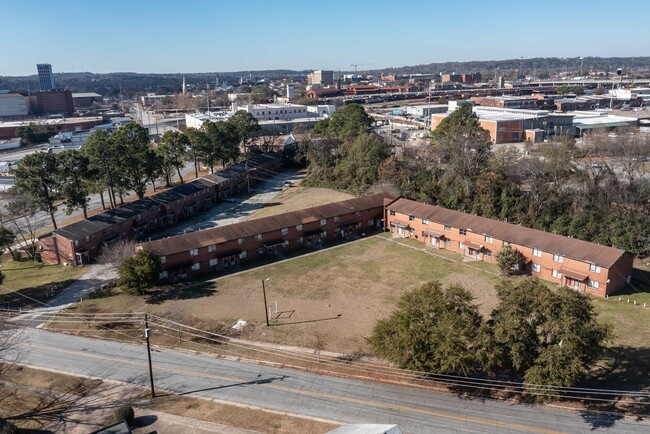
573, 248
221, 234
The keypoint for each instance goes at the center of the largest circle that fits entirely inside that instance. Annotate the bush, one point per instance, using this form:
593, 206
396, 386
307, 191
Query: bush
124, 413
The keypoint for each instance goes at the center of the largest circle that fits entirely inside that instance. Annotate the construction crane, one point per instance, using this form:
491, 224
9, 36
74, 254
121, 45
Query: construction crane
358, 64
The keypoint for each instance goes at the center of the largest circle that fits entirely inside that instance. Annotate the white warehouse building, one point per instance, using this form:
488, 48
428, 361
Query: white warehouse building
13, 104
285, 111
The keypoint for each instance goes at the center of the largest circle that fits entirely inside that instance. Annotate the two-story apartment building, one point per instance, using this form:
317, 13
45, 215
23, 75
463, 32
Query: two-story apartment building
224, 247
598, 269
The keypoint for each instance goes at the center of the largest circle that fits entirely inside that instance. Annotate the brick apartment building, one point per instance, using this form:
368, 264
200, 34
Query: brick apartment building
80, 242
226, 247
585, 266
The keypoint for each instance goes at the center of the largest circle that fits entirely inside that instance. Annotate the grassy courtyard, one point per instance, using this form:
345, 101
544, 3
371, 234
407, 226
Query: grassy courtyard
335, 295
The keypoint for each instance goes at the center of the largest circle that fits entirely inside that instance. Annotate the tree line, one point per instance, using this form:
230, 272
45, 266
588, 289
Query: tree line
596, 193
113, 165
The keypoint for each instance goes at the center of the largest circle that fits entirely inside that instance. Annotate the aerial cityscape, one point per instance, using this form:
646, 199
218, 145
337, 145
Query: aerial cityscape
350, 218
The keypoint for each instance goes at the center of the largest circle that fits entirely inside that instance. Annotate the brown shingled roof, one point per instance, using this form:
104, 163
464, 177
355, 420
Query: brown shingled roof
585, 251
221, 234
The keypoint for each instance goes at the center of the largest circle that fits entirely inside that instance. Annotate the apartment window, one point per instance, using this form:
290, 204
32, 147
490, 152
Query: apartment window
258, 237
506, 243
461, 245
358, 214
370, 222
163, 275
323, 222
212, 248
194, 252
487, 253
286, 243
462, 231
595, 268
76, 243
214, 262
87, 237
298, 228
163, 259
536, 268
323, 234
392, 212
447, 242
488, 239
196, 266
285, 231
411, 218
447, 227
300, 240
556, 273
242, 255
337, 219
241, 241
537, 252
558, 258
593, 284
425, 221
412, 231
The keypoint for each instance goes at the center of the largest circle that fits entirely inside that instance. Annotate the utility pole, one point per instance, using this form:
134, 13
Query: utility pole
266, 308
147, 333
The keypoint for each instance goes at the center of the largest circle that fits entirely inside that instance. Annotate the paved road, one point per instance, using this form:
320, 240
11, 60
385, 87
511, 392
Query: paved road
342, 400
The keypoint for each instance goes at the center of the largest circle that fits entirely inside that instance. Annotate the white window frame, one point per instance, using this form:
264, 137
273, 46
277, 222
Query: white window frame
243, 255
298, 228
558, 258
241, 241
196, 266
425, 221
506, 243
488, 239
212, 248
556, 273
447, 228
594, 268
258, 237
536, 267
593, 284
323, 222
214, 262
462, 231
194, 252
163, 275
537, 252
370, 223
337, 219
163, 259
284, 231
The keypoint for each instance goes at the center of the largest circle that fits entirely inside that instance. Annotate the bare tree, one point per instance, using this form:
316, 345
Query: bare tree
112, 256
24, 224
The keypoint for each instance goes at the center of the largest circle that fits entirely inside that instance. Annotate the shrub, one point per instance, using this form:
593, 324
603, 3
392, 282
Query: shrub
7, 427
124, 413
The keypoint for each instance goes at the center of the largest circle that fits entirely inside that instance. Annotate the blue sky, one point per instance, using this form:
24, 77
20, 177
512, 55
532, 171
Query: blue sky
230, 35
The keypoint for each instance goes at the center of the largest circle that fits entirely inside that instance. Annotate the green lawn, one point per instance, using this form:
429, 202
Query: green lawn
23, 279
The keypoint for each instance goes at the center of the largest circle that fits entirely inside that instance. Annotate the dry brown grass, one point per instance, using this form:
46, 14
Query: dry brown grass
336, 295
297, 198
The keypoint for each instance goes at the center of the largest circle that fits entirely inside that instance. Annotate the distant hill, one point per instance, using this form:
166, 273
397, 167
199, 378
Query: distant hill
109, 84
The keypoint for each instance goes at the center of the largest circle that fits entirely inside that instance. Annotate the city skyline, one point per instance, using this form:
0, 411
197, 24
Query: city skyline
198, 36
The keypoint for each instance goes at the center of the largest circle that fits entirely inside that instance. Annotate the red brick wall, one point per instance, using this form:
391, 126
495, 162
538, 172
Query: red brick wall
608, 281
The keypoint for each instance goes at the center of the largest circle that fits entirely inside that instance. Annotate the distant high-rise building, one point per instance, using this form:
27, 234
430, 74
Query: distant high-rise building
45, 78
291, 90
323, 78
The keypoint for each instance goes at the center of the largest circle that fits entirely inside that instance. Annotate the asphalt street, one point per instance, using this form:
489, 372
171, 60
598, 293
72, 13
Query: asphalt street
342, 400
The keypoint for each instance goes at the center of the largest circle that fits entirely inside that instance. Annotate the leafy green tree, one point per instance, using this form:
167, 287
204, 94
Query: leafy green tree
359, 168
172, 150
7, 239
548, 337
345, 124
103, 159
433, 329
37, 178
139, 272
34, 134
222, 143
133, 152
198, 140
75, 177
246, 126
509, 260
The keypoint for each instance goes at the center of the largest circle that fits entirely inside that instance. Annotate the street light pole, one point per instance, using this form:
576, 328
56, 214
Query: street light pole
147, 332
266, 309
